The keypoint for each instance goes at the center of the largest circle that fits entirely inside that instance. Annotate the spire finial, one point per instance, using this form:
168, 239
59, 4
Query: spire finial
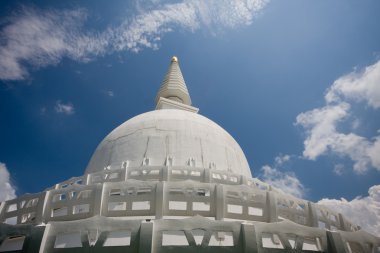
173, 90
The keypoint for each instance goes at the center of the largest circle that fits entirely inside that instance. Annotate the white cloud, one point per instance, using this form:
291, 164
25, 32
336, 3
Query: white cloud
374, 152
281, 159
339, 169
285, 181
34, 38
358, 86
7, 191
38, 38
110, 93
363, 211
321, 124
61, 107
43, 110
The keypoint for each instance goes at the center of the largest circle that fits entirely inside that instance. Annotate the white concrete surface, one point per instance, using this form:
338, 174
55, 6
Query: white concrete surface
188, 138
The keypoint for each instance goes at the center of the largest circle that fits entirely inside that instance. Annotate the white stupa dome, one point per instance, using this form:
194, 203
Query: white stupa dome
173, 136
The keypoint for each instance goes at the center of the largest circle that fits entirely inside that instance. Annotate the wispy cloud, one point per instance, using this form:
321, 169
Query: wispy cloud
65, 108
364, 211
339, 169
285, 181
7, 190
110, 93
34, 38
321, 124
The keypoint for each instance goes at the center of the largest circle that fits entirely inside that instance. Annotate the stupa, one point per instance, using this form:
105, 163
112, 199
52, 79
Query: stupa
171, 180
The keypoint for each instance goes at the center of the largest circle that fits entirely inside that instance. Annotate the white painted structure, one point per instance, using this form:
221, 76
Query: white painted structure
172, 180
170, 137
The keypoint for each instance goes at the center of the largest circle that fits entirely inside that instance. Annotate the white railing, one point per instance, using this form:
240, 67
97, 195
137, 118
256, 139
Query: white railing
159, 191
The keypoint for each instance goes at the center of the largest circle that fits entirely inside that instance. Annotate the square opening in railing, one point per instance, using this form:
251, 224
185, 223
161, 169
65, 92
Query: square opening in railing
174, 238
12, 207
272, 241
12, 243
116, 192
201, 206
236, 209
11, 220
68, 240
82, 208
117, 206
178, 205
59, 211
255, 211
221, 238
141, 205
118, 238
312, 244
28, 217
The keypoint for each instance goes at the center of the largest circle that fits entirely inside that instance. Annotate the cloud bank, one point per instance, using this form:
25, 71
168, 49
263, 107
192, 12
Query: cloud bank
321, 124
7, 191
364, 211
33, 38
285, 181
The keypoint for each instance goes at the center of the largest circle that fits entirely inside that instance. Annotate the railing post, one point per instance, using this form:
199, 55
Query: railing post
271, 207
146, 237
249, 238
312, 219
160, 199
219, 199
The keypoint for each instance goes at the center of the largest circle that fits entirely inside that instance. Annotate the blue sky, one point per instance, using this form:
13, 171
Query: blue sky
297, 83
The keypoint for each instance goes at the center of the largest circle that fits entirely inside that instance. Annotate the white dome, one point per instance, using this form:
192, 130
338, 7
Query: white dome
189, 139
